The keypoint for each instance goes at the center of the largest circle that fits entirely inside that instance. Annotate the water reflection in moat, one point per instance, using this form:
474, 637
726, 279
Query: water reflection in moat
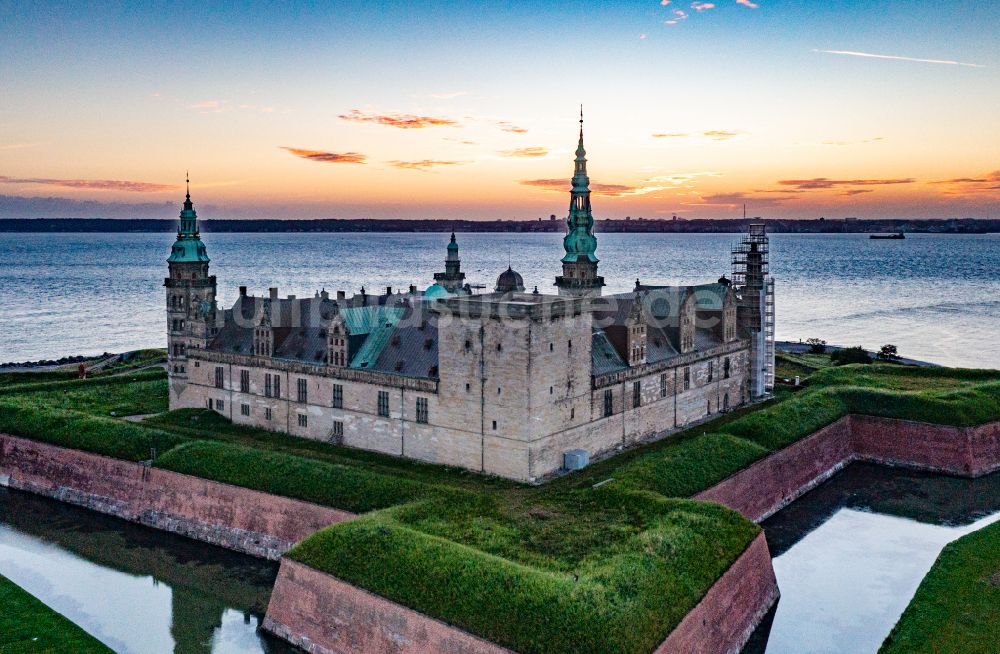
136, 589
850, 554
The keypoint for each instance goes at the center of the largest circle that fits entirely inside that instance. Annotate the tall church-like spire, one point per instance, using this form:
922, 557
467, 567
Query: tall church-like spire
580, 262
188, 248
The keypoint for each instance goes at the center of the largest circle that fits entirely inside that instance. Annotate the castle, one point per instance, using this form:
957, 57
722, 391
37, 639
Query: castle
510, 383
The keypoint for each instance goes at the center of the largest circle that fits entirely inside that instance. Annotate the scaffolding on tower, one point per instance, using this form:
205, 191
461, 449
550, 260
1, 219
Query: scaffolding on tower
755, 302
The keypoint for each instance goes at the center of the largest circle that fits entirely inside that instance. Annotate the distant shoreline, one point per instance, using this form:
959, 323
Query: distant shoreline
628, 226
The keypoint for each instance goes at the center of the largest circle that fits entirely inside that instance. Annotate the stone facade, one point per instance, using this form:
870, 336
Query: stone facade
503, 383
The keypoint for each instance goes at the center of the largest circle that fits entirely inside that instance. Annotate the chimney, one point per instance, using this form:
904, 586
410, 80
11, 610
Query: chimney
273, 292
413, 289
291, 297
388, 290
341, 295
243, 291
324, 294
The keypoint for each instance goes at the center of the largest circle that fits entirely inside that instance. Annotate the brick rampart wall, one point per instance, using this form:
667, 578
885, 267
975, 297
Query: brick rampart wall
775, 481
247, 521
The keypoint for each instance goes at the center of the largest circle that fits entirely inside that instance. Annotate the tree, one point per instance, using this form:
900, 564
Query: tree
816, 345
888, 353
856, 354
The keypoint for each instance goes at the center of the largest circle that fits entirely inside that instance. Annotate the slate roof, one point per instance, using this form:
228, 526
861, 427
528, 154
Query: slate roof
300, 331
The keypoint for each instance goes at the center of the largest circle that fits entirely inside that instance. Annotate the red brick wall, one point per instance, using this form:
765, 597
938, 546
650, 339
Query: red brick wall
733, 607
773, 482
969, 451
322, 615
244, 520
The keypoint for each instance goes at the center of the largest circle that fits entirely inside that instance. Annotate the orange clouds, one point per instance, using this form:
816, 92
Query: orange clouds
987, 183
508, 127
94, 184
401, 121
720, 134
327, 157
563, 185
424, 164
826, 183
747, 3
525, 152
711, 135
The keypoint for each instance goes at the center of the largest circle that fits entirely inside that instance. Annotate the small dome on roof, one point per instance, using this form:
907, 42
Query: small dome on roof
510, 281
435, 291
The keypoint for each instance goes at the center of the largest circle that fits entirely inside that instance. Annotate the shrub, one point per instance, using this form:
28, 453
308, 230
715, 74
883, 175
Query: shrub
816, 345
856, 354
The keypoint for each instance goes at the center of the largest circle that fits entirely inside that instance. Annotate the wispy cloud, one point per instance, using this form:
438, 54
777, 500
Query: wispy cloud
670, 181
509, 127
525, 152
322, 156
18, 146
678, 16
563, 185
225, 106
986, 183
856, 191
862, 141
702, 6
739, 199
827, 183
94, 184
720, 134
424, 164
401, 121
448, 96
670, 135
748, 3
869, 55
981, 179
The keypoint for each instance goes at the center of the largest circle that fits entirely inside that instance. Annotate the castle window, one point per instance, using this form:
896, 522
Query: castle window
636, 394
303, 420
337, 435
244, 409
422, 413
383, 403
244, 381
277, 386
725, 368
468, 387
551, 390
711, 370
725, 402
569, 344
687, 377
220, 405
267, 413
499, 347
219, 376
267, 385
302, 388
338, 396
663, 385
709, 411
494, 425
572, 413
609, 402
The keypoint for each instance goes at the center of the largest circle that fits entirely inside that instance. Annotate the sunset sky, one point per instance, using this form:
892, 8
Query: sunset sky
469, 109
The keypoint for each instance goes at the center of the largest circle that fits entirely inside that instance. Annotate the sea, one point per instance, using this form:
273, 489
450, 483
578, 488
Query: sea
935, 296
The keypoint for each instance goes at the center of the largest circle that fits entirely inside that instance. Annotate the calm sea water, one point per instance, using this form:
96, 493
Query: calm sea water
937, 297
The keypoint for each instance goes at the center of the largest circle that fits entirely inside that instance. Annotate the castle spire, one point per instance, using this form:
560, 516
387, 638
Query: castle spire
580, 262
188, 247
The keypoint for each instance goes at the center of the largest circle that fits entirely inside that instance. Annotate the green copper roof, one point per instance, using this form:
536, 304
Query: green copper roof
188, 247
376, 321
435, 291
579, 240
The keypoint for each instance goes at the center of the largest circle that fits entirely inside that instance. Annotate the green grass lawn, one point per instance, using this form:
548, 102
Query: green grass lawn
788, 365
956, 609
29, 627
529, 567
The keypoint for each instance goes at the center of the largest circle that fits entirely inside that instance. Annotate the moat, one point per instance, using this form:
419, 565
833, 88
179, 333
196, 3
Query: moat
850, 554
136, 589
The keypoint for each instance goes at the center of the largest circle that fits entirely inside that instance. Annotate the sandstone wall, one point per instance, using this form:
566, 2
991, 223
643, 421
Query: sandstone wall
236, 518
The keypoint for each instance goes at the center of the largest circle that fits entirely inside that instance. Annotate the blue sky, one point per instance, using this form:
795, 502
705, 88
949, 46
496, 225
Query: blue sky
688, 113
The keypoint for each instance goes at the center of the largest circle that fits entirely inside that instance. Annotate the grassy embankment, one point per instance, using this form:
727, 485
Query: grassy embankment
27, 626
955, 609
557, 568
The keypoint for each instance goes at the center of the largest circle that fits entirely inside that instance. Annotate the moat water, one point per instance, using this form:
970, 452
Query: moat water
136, 589
937, 297
850, 554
